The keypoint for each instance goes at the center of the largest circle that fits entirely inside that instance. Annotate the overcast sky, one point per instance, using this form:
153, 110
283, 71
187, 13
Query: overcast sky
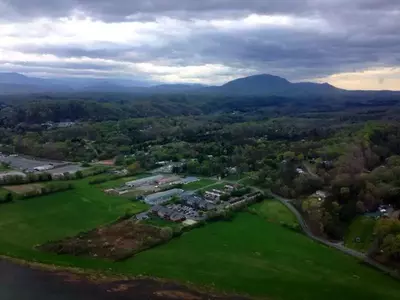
352, 44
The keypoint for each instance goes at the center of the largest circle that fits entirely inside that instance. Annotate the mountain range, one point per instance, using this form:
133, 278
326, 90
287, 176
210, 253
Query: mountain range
257, 85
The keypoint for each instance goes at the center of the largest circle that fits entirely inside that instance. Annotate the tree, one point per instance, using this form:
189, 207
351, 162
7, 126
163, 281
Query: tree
79, 175
166, 233
391, 246
289, 155
360, 207
67, 176
119, 160
134, 168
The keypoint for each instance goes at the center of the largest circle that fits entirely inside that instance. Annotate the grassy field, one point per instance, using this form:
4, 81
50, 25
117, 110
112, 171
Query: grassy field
274, 211
247, 255
217, 185
198, 184
26, 223
363, 228
252, 256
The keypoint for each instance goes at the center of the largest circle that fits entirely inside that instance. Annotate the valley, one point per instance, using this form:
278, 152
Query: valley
279, 191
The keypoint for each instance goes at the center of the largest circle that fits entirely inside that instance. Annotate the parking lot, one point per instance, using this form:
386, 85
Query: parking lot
27, 163
66, 169
188, 212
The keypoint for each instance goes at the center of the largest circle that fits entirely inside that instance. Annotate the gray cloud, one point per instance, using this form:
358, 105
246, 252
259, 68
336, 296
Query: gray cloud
359, 34
120, 9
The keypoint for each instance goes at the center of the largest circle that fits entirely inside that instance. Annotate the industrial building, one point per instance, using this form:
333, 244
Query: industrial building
162, 197
143, 181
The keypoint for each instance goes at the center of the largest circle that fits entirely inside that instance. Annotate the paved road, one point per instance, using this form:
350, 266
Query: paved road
338, 246
307, 231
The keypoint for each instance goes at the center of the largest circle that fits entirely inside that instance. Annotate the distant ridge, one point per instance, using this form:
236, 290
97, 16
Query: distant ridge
256, 85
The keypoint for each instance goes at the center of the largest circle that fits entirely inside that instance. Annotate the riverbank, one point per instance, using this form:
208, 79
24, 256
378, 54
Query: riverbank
28, 280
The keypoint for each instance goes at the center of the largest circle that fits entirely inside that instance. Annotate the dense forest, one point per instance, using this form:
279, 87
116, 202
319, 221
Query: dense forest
347, 146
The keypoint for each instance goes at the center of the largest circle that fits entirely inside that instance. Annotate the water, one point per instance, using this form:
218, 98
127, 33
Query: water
23, 283
18, 282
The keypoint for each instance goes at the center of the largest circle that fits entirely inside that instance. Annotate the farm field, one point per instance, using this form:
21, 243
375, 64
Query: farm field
198, 184
362, 228
252, 256
274, 211
56, 216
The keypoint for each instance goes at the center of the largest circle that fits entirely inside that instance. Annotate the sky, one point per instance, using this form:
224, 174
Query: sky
352, 44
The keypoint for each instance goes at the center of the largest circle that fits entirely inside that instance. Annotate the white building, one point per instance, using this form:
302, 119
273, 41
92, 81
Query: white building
43, 168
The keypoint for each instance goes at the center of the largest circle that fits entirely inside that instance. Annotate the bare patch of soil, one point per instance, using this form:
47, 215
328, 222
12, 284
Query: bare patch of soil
24, 188
117, 241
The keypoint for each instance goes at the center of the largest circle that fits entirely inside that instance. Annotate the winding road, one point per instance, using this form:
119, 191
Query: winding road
338, 246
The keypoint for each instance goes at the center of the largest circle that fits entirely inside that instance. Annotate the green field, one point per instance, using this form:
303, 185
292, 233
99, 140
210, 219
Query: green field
217, 185
252, 256
274, 211
363, 228
198, 184
26, 223
247, 255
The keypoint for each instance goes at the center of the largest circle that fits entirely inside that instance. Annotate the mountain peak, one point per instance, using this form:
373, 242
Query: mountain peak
260, 79
266, 84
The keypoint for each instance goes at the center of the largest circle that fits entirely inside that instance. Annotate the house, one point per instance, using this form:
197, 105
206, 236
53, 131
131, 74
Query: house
161, 211
197, 202
177, 217
229, 188
385, 210
321, 195
218, 191
212, 196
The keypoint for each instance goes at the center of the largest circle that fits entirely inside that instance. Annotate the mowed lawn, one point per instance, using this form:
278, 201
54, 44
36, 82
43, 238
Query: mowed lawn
362, 228
26, 223
252, 256
274, 211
